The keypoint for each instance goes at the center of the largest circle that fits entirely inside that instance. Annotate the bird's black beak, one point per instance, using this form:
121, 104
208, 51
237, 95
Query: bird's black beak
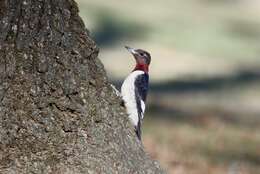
131, 50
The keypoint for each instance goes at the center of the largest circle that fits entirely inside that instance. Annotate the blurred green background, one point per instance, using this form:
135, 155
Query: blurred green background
203, 111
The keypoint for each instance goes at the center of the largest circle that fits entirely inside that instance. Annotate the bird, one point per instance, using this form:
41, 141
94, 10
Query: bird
135, 87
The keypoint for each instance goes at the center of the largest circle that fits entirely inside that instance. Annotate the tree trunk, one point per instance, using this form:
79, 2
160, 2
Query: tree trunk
58, 112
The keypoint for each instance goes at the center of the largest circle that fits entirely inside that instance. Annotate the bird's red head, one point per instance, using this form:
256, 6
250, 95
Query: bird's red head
143, 59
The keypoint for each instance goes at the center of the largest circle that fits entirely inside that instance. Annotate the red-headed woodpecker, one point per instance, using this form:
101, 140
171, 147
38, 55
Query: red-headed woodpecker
135, 87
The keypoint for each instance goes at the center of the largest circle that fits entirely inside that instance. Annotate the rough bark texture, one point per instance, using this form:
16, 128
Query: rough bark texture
58, 112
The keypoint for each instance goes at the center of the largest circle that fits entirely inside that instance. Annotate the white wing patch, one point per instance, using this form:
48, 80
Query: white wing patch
128, 94
143, 108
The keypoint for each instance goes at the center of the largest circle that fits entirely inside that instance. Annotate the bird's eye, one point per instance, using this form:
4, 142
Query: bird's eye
142, 54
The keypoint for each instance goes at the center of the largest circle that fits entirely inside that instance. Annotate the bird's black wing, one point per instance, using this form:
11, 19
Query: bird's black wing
141, 90
141, 86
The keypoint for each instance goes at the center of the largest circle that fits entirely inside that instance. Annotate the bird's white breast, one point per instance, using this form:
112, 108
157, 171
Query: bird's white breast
128, 94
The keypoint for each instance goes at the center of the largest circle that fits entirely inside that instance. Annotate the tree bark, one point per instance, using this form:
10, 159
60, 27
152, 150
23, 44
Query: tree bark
58, 112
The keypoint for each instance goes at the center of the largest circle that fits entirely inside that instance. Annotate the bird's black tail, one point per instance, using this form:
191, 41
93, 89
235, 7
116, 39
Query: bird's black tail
138, 130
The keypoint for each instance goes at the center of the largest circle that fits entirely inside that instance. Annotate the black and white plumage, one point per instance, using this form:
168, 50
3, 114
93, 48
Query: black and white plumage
135, 88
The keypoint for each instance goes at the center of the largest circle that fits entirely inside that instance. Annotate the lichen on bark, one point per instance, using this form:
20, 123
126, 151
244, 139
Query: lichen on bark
58, 112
